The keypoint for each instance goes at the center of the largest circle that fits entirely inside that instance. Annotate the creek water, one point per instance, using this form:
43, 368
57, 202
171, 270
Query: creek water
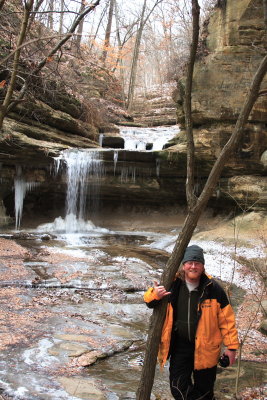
90, 287
82, 323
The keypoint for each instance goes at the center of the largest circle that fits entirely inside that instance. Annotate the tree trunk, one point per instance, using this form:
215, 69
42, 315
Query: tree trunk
190, 181
135, 59
119, 55
137, 44
80, 27
2, 2
108, 31
61, 18
21, 37
50, 20
265, 14
93, 38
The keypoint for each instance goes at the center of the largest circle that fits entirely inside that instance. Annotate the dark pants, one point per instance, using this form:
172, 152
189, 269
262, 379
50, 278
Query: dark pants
181, 370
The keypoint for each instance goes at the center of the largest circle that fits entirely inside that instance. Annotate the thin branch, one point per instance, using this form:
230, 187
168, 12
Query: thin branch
25, 44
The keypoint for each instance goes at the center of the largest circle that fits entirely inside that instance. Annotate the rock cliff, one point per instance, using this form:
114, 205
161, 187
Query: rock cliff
234, 43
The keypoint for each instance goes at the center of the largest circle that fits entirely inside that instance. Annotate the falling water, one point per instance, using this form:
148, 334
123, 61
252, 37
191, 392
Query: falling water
82, 167
101, 137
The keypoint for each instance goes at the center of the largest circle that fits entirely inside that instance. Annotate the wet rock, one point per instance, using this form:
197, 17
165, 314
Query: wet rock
132, 396
72, 349
114, 142
23, 236
82, 388
47, 237
89, 358
128, 396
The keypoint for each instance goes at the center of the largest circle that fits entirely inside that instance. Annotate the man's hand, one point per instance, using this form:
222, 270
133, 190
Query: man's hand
160, 290
231, 355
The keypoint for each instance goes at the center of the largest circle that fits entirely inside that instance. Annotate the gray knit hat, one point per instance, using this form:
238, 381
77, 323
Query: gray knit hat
193, 253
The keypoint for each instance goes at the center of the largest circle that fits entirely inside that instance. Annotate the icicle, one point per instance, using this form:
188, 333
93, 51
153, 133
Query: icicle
20, 192
115, 158
157, 167
126, 171
21, 188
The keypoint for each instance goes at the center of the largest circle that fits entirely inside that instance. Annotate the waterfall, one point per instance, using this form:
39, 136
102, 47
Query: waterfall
84, 170
142, 139
101, 137
21, 188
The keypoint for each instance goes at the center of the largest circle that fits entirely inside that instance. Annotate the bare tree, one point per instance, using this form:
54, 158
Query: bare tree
61, 18
80, 26
196, 208
142, 23
50, 19
10, 101
108, 31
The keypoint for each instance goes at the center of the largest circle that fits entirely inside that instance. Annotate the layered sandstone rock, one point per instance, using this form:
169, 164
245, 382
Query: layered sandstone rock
235, 45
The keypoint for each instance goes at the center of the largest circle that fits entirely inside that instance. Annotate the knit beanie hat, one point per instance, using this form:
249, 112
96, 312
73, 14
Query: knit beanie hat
193, 253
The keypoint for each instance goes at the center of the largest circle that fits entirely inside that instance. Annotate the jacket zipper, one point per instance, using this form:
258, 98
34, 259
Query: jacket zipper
201, 300
188, 318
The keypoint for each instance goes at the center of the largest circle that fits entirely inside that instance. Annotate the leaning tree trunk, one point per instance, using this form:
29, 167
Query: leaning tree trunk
265, 14
190, 179
158, 316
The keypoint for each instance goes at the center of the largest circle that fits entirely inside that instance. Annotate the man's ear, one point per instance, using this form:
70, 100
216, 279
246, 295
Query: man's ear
182, 267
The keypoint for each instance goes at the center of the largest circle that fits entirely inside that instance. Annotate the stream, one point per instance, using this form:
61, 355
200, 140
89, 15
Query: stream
75, 324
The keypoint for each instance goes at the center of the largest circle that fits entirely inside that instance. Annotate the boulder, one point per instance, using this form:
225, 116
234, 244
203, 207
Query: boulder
113, 142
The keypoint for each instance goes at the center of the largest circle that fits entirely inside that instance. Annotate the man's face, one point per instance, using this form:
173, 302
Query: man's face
193, 271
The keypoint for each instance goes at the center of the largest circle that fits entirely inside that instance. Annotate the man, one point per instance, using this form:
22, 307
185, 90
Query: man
198, 320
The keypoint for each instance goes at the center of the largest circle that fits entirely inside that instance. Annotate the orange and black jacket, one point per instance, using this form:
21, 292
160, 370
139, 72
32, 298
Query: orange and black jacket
215, 322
